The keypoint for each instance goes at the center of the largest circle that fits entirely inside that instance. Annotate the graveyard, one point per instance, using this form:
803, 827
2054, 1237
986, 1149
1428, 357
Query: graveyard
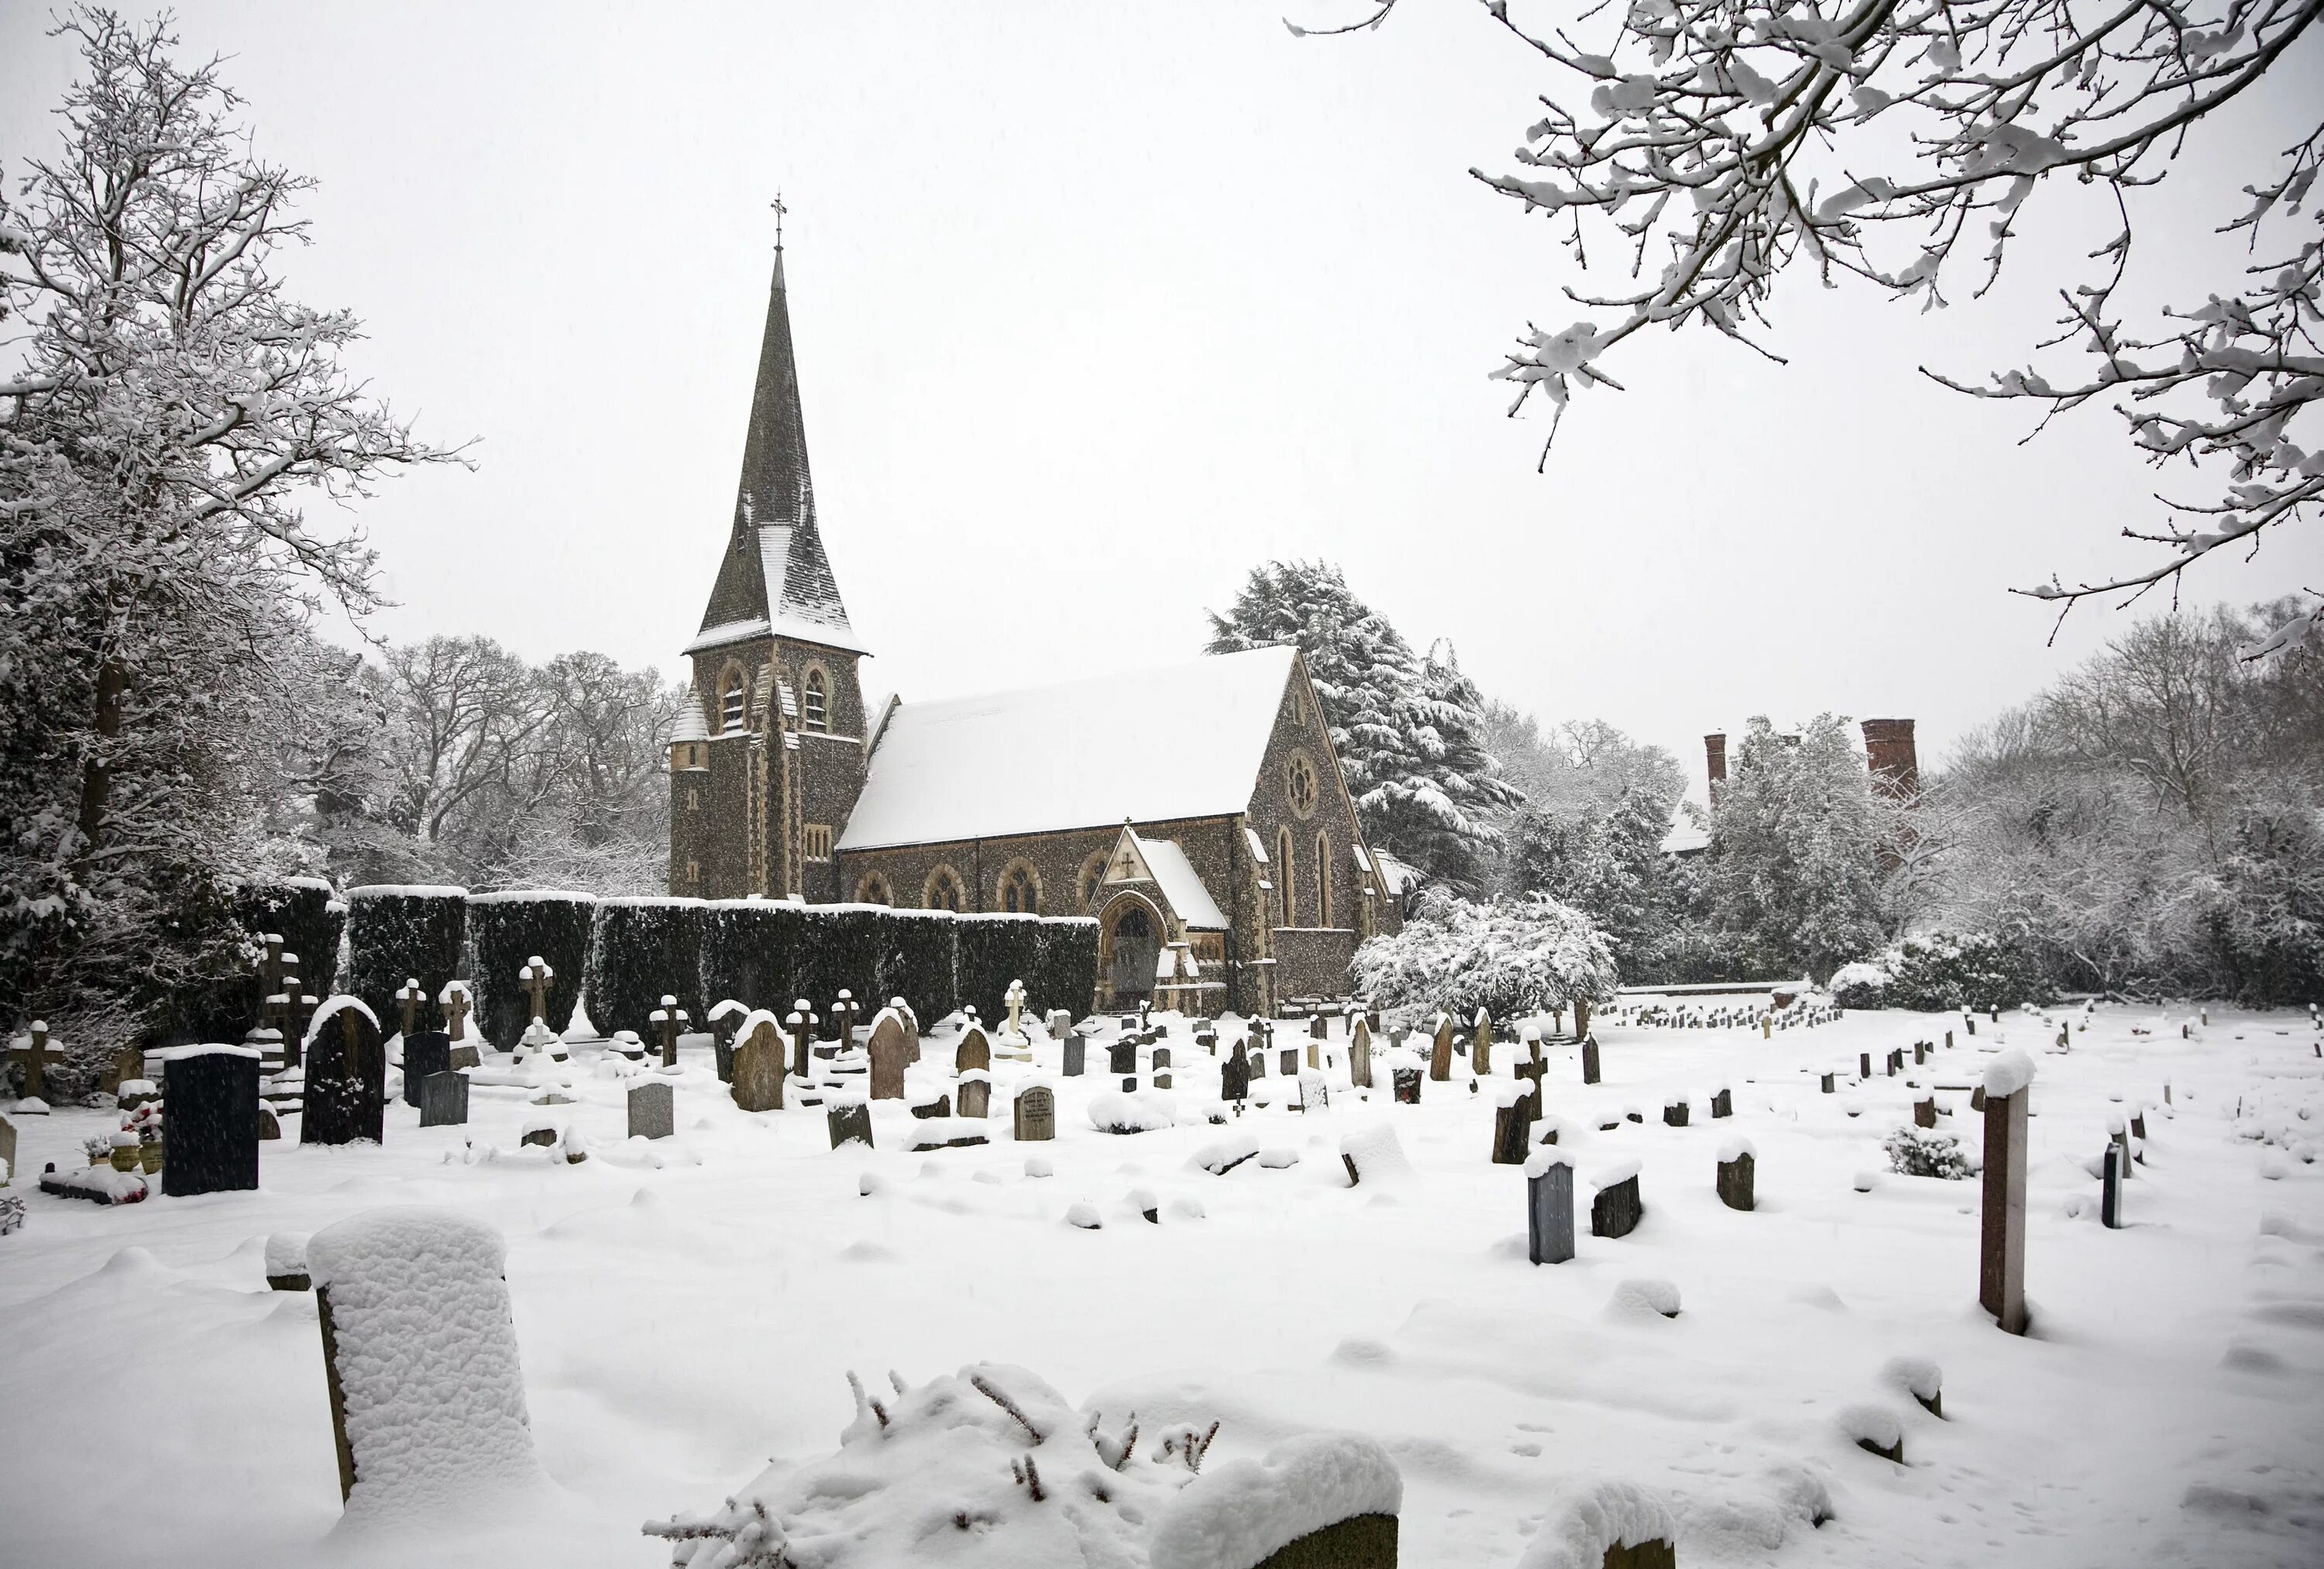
690, 1286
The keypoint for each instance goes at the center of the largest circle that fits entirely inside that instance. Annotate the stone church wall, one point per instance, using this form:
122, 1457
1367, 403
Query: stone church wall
1311, 961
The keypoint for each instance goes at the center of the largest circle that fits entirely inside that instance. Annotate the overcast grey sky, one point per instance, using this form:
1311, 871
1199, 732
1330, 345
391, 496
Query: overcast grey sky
1098, 305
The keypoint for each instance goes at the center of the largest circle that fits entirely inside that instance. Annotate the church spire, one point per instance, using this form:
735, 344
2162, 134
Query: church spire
775, 487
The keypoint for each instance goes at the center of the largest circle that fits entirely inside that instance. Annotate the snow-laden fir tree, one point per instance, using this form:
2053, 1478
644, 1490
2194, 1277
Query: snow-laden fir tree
1607, 861
1410, 730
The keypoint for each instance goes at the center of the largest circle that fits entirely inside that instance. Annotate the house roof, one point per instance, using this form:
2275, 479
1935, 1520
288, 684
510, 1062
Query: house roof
1185, 741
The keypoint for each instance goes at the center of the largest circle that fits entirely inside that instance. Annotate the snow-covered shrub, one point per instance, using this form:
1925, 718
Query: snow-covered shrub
1918, 1152
506, 931
1249, 1510
1511, 958
1862, 984
642, 949
1944, 972
1143, 1111
397, 933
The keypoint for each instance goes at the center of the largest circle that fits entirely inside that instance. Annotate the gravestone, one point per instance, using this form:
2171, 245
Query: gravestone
759, 1069
1549, 1208
1314, 1054
1826, 1083
347, 1080
1617, 1208
1060, 1024
444, 1099
454, 1000
1161, 1067
976, 1095
1722, 1103
1314, 1094
1122, 1056
2001, 1263
1258, 1062
1924, 1111
412, 994
8, 1150
1036, 1121
1076, 1055
1360, 1054
669, 1019
428, 1052
974, 1051
1407, 1084
1589, 1060
1289, 1063
129, 1063
1512, 1127
1920, 1053
886, 1051
33, 1059
1439, 1050
1234, 1076
849, 1120
1318, 1028
2110, 1189
213, 1119
1481, 1043
653, 1110
1736, 1175
1675, 1113
930, 1107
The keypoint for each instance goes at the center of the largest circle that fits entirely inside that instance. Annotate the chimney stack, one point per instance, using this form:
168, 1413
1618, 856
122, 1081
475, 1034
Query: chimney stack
1889, 753
1714, 753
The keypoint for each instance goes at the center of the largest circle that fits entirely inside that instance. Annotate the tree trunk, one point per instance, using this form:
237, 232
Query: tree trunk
97, 774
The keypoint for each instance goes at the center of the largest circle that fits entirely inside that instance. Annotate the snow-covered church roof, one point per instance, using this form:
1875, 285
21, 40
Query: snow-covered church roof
1185, 741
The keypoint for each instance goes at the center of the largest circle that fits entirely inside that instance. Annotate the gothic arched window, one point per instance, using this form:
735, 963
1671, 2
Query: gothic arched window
874, 889
1283, 874
1092, 874
1020, 889
1322, 881
818, 701
734, 702
943, 891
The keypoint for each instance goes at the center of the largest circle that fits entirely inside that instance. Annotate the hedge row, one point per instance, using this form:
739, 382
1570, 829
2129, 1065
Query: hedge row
641, 949
1055, 956
397, 933
506, 931
308, 918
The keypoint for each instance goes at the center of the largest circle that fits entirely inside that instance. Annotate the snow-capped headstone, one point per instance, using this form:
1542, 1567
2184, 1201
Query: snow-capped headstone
213, 1139
1406, 1076
420, 1348
1722, 1103
1440, 1049
1619, 1207
1737, 1175
1288, 1062
1589, 1060
1161, 1062
975, 1093
346, 1075
428, 1052
443, 1099
1076, 1055
32, 1055
2008, 1089
456, 1005
1320, 1500
1603, 1524
974, 1051
653, 1112
1480, 1044
759, 1065
1036, 1117
1122, 1056
1360, 1054
1513, 1118
887, 1053
286, 1262
2110, 1188
846, 1120
1549, 1206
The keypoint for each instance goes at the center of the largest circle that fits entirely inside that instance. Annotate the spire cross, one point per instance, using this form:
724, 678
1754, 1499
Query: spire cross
779, 210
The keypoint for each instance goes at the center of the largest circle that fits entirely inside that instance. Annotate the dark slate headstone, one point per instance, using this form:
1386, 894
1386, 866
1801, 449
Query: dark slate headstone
851, 1121
1722, 1104
2110, 1189
1549, 1214
1737, 1179
721, 1046
1617, 1209
1288, 1062
1589, 1060
213, 1142
1234, 1076
444, 1099
1675, 1113
1122, 1058
347, 1081
653, 1110
425, 1052
1076, 1055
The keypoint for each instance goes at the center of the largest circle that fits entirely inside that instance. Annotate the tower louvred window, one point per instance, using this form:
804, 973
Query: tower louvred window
732, 704
818, 702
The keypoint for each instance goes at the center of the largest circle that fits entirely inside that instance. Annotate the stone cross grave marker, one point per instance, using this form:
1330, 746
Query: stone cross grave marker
1737, 1177
974, 1051
1360, 1054
759, 1069
671, 1018
887, 1052
1480, 1044
534, 976
444, 1099
1015, 998
849, 1120
1035, 1119
1549, 1208
2001, 1262
1440, 1051
1617, 1208
411, 996
429, 1051
1590, 1059
213, 1142
653, 1111
456, 1007
802, 1024
346, 1081
33, 1059
1234, 1076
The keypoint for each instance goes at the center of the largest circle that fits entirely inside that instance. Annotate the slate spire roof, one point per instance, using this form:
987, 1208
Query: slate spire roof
775, 577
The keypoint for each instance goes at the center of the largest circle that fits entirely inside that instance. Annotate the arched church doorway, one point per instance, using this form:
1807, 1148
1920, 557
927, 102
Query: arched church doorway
1136, 941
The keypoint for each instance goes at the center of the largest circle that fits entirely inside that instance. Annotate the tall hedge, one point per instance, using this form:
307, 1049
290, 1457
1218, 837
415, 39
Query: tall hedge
308, 918
744, 952
1066, 974
396, 934
506, 932
994, 950
921, 961
642, 949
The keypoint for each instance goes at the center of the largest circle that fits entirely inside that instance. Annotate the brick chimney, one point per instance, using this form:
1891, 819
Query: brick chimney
1889, 753
1714, 757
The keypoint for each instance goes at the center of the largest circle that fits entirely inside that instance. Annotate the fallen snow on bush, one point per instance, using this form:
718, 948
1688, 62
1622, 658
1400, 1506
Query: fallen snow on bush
1586, 1517
1239, 1513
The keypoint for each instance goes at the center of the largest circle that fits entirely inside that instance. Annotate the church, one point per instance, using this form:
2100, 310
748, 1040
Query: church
1224, 866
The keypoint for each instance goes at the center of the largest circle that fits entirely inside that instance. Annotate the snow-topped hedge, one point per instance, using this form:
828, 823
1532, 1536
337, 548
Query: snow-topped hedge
300, 911
399, 933
507, 931
1944, 972
1054, 956
641, 949
743, 953
921, 961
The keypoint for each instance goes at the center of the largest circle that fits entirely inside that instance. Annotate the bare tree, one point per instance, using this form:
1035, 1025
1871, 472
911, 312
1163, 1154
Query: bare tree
1715, 144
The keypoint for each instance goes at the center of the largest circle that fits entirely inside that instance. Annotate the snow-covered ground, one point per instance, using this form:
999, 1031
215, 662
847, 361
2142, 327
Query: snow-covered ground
688, 1310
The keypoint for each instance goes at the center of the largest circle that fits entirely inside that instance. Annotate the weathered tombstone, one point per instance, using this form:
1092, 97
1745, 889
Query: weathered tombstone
428, 1052
1234, 1076
1864, 1064
1722, 1103
1321, 1500
2001, 1275
758, 1068
1920, 1053
127, 1064
975, 1093
444, 1099
1896, 1061
1738, 1171
886, 1051
1617, 1208
1924, 1111
1825, 1084
1481, 1043
213, 1142
1407, 1079
1675, 1113
1122, 1056
849, 1120
1035, 1119
1314, 1093
1589, 1060
534, 976
412, 994
1549, 1208
1161, 1067
8, 1150
974, 1051
653, 1111
454, 1000
1513, 1117
1318, 1028
1258, 1062
2110, 1189
347, 1079
1359, 1054
1439, 1050
669, 1019
419, 1418
1076, 1055
1058, 1023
